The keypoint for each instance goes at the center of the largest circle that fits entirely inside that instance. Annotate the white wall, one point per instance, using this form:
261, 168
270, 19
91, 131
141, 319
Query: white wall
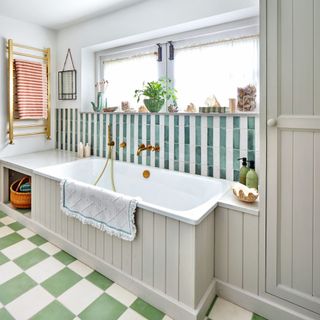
142, 18
32, 35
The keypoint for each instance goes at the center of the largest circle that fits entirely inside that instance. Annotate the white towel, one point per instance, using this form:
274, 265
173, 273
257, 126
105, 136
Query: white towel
106, 210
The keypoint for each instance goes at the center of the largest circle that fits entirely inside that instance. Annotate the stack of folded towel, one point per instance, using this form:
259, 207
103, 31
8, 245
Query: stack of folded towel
26, 187
31, 90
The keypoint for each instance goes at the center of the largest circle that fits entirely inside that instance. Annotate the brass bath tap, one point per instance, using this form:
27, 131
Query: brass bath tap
110, 141
148, 147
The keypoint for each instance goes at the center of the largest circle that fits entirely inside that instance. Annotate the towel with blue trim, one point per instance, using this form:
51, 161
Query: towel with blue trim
103, 209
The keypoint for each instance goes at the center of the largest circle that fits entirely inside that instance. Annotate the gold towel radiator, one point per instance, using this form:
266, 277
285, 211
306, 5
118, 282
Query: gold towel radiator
45, 56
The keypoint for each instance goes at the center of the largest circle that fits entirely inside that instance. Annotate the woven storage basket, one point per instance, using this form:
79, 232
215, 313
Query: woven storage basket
20, 200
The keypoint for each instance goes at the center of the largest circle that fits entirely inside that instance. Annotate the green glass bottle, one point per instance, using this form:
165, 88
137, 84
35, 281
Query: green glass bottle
243, 171
252, 177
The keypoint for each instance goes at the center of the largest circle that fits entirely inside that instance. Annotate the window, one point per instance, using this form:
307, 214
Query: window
215, 68
204, 64
125, 75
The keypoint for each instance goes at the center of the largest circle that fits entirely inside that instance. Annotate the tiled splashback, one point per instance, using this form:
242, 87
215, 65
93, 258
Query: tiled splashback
203, 144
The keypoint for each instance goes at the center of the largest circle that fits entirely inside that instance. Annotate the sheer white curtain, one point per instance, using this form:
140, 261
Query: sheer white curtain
218, 68
127, 75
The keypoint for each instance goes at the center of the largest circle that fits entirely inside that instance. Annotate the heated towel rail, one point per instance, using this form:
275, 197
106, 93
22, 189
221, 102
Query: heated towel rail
45, 125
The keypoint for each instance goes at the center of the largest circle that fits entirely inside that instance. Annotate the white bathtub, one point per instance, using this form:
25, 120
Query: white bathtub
185, 197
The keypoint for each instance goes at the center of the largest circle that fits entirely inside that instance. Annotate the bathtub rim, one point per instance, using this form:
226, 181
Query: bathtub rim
192, 216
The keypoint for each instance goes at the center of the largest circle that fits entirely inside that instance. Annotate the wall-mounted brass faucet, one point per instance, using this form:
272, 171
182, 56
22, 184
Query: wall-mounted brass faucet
110, 141
148, 147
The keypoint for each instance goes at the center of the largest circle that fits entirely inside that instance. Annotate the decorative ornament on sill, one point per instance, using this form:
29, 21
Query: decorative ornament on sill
173, 108
101, 88
191, 108
67, 80
247, 98
125, 107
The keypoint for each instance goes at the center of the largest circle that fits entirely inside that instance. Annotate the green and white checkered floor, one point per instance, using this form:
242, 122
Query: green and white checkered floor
40, 281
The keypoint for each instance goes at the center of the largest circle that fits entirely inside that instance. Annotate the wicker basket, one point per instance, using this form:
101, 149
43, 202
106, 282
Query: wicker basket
20, 200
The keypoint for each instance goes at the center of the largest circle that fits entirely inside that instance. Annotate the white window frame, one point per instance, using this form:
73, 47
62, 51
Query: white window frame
225, 31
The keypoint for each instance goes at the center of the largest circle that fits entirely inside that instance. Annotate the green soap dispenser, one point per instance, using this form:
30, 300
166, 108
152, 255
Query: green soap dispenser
243, 171
252, 177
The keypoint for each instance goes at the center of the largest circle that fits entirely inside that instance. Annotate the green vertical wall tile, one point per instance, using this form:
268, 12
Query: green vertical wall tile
68, 118
124, 133
251, 123
132, 137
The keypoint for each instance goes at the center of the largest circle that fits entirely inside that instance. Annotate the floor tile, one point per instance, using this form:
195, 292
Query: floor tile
18, 249
147, 310
54, 311
2, 214
31, 258
61, 281
104, 308
225, 310
99, 280
64, 257
257, 317
5, 230
7, 220
49, 248
45, 269
9, 240
26, 233
15, 287
80, 296
80, 268
122, 295
5, 315
8, 271
30, 303
16, 226
130, 314
37, 240
3, 259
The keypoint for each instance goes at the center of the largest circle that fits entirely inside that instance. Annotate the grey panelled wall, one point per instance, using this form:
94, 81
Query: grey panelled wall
236, 249
293, 153
202, 144
168, 255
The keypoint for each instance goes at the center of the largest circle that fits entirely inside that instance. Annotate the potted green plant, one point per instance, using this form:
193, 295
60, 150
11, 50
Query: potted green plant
156, 93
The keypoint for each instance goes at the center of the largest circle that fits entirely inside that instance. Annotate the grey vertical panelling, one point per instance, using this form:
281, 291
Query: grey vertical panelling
236, 242
186, 269
250, 253
286, 80
159, 267
235, 250
204, 253
137, 247
286, 185
316, 38
147, 248
303, 189
171, 256
221, 244
316, 218
303, 57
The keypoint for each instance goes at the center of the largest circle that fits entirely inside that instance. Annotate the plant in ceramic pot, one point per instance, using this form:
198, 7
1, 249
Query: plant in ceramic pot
156, 93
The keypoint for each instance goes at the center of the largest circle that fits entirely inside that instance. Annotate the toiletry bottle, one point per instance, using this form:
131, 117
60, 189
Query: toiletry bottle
252, 177
243, 171
87, 151
80, 150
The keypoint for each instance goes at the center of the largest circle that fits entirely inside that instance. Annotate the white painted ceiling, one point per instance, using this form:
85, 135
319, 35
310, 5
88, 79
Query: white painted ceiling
57, 14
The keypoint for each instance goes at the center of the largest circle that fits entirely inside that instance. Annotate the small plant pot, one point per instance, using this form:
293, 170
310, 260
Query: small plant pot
153, 105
